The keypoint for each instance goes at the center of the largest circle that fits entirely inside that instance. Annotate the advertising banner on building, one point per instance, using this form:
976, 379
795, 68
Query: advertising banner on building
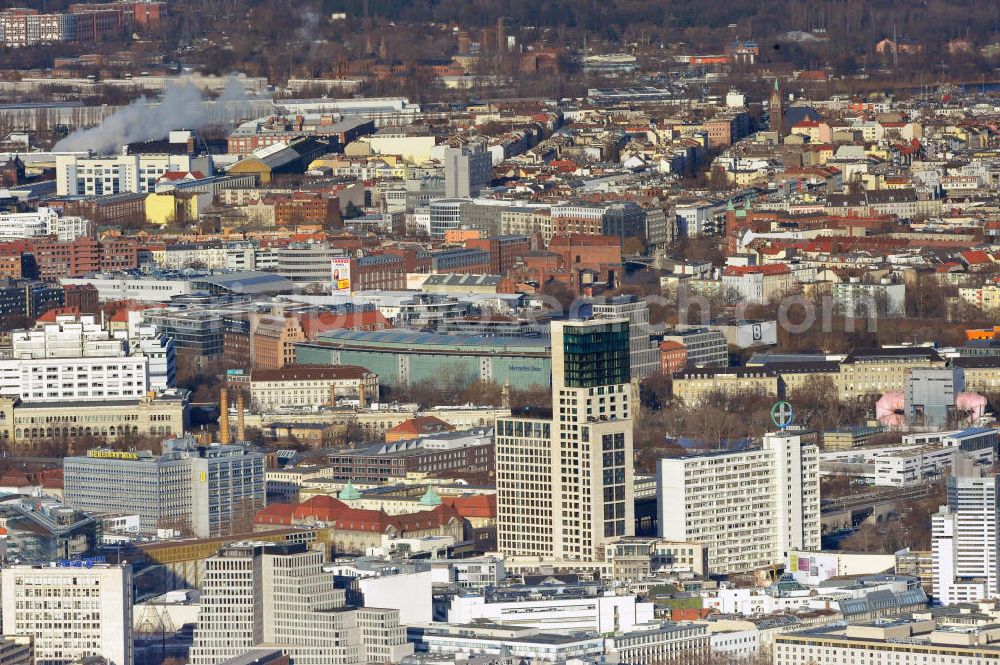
340, 274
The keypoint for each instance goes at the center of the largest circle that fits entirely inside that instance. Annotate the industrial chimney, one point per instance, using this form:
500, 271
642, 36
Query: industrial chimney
223, 416
241, 429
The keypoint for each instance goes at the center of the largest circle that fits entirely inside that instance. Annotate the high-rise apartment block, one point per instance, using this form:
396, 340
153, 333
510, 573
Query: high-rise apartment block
207, 489
748, 507
278, 595
964, 535
72, 609
565, 483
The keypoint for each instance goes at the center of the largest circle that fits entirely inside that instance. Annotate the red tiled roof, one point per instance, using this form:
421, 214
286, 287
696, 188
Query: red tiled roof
50, 316
479, 505
51, 479
975, 257
341, 516
419, 426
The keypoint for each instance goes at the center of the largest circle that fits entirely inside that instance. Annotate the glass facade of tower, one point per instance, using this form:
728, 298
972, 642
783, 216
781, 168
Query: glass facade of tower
596, 355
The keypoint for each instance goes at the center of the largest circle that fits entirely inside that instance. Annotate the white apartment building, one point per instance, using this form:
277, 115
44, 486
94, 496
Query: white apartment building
645, 356
748, 507
964, 535
233, 256
98, 176
757, 284
882, 299
76, 359
278, 595
572, 610
43, 222
565, 486
72, 610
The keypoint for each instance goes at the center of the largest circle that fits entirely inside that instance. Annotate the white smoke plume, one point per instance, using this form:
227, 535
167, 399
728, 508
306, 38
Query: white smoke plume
180, 107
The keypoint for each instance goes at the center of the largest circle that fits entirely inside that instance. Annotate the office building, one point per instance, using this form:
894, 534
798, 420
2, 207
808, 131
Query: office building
43, 222
195, 331
72, 610
25, 300
459, 644
306, 263
964, 535
382, 462
205, 490
703, 347
695, 385
645, 355
467, 171
255, 594
565, 485
748, 507
446, 214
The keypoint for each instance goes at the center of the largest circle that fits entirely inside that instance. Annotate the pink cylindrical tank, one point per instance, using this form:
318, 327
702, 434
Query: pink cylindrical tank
889, 409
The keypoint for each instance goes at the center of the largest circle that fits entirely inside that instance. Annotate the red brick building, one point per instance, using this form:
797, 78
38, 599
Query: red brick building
82, 298
504, 250
673, 357
597, 253
307, 208
55, 259
378, 271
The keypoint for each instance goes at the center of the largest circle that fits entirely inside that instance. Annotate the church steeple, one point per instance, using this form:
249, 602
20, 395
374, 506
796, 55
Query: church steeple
777, 121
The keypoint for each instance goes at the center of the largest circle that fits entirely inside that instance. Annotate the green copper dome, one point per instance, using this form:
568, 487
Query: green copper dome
430, 498
349, 493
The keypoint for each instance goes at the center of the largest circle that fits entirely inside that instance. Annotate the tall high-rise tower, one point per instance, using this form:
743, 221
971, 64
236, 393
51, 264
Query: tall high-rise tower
777, 121
965, 535
565, 484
